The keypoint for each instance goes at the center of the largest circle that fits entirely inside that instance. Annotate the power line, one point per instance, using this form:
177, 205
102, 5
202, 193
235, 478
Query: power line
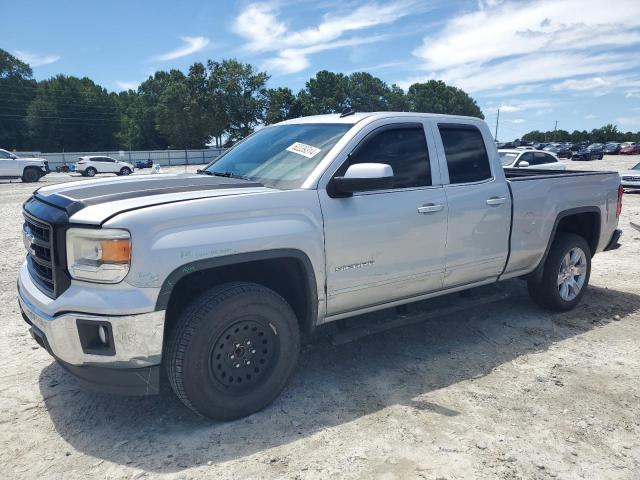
85, 119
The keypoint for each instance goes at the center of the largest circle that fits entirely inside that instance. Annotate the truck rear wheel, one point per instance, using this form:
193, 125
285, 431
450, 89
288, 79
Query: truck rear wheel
565, 276
232, 350
30, 175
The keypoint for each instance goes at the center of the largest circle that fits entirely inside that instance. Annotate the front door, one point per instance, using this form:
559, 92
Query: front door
386, 245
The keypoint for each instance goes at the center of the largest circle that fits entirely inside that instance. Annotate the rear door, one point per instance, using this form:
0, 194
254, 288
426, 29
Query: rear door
479, 205
386, 245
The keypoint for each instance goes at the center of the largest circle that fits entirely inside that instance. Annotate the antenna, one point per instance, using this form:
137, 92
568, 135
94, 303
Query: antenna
347, 111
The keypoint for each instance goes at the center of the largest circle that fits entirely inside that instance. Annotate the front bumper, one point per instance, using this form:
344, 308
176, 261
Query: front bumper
130, 365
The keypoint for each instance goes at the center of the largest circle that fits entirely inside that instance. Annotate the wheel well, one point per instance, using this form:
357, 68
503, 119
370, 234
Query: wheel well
585, 224
286, 276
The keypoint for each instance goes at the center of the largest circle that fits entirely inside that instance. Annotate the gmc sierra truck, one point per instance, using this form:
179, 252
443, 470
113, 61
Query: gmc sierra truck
213, 277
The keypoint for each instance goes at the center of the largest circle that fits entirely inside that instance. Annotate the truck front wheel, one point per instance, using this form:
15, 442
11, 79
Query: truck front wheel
30, 175
232, 350
566, 274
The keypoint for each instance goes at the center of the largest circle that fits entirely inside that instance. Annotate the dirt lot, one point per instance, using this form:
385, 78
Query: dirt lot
504, 391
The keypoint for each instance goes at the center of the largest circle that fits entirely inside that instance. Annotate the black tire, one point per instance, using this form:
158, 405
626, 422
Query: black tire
30, 175
203, 370
125, 171
90, 172
547, 292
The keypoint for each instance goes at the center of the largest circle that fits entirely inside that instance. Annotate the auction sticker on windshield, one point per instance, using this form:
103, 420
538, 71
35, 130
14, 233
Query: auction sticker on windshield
303, 149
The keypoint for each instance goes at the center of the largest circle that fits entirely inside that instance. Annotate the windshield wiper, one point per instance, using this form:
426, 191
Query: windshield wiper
223, 174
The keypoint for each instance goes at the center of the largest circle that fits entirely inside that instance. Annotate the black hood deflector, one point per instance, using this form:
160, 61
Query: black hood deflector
74, 199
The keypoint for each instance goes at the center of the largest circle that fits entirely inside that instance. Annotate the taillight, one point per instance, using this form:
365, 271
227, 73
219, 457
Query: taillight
619, 209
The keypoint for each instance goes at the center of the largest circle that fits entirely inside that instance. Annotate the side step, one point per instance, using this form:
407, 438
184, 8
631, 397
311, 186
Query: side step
363, 325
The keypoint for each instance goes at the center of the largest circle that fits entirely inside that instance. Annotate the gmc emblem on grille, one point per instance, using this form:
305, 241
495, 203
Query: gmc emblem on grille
27, 238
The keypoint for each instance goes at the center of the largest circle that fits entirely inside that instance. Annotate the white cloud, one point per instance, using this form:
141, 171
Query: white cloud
127, 85
514, 43
519, 106
629, 123
591, 116
35, 59
260, 25
518, 120
191, 45
601, 85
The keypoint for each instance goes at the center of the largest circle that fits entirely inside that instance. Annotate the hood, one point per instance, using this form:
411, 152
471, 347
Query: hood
32, 159
94, 201
630, 173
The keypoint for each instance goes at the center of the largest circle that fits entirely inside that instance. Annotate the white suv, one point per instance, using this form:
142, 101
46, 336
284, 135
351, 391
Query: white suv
89, 166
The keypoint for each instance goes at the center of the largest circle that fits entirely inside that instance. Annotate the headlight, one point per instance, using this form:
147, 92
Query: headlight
101, 256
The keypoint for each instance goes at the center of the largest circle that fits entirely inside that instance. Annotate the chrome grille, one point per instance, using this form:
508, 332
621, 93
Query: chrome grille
37, 237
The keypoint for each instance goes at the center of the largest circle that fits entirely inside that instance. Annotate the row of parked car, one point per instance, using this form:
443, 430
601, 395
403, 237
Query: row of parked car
579, 151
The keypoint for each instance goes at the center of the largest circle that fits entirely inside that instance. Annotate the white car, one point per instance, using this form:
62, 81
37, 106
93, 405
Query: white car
537, 159
28, 169
91, 165
631, 178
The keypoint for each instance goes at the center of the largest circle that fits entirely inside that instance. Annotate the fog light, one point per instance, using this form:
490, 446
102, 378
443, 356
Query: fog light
103, 334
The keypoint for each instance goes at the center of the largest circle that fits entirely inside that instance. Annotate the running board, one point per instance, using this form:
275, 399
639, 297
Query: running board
361, 326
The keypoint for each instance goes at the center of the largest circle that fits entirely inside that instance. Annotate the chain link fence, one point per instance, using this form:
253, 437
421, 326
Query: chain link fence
162, 157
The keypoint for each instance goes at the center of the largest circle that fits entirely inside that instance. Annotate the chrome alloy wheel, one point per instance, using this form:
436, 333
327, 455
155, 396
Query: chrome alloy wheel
572, 274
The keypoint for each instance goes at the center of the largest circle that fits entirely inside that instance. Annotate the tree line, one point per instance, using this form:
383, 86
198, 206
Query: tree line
217, 103
608, 133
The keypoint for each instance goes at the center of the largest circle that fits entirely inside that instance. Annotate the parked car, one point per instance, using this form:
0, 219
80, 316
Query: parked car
560, 150
587, 154
612, 148
213, 277
29, 169
144, 164
536, 159
630, 179
90, 166
629, 148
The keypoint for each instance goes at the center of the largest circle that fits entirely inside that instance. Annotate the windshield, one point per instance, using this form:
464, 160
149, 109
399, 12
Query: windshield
636, 167
507, 158
281, 156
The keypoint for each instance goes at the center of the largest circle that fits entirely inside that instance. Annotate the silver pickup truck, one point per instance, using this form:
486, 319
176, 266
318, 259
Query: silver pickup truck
213, 277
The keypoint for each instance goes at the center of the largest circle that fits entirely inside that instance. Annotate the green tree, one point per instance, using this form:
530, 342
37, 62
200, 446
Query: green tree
326, 93
396, 99
282, 104
17, 90
242, 95
435, 96
70, 113
366, 93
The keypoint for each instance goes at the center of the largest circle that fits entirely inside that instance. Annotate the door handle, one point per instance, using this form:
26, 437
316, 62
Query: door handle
430, 208
493, 201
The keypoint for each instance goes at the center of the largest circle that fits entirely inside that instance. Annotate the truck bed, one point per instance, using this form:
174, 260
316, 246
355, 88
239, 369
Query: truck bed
517, 174
540, 197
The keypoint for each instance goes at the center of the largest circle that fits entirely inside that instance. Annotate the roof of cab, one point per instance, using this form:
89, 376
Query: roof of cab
354, 118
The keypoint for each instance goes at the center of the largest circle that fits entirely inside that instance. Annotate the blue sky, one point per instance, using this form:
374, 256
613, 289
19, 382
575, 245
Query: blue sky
574, 61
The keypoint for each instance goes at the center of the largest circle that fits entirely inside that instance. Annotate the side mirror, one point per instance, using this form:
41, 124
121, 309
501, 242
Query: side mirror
362, 177
523, 164
13, 157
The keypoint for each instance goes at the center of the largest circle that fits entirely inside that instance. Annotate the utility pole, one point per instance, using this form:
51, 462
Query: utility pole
497, 120
555, 128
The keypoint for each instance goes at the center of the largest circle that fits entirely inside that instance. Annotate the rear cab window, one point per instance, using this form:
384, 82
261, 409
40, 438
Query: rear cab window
466, 154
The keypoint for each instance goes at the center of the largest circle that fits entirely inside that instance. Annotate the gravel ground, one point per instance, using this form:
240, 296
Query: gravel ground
504, 391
